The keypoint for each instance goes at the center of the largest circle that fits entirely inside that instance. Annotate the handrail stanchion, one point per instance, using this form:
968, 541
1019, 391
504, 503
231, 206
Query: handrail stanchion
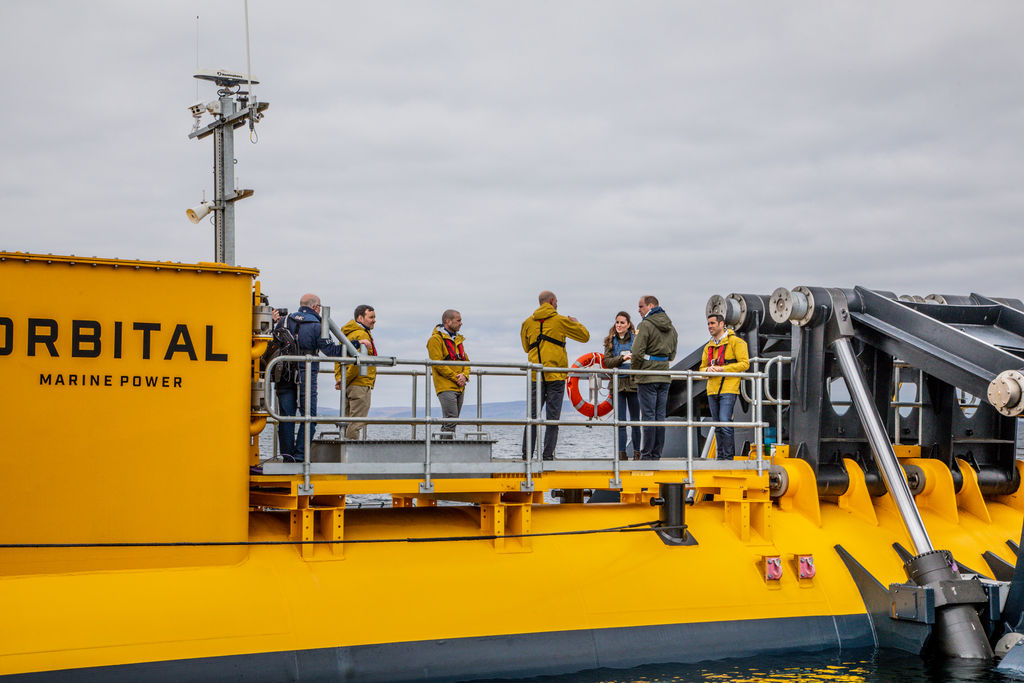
920, 407
531, 437
897, 373
689, 427
766, 392
616, 481
426, 486
306, 489
755, 413
414, 392
778, 405
274, 445
342, 407
479, 402
759, 429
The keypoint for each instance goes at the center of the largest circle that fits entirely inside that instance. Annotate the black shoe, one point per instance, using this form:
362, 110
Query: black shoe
622, 455
549, 457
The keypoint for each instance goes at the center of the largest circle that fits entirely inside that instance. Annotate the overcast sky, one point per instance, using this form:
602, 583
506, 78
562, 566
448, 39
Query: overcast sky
424, 155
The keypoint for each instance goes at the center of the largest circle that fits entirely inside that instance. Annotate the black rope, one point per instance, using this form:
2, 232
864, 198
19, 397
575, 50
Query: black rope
639, 526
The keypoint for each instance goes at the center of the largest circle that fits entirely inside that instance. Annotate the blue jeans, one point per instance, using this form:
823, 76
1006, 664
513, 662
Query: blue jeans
551, 397
653, 398
721, 411
628, 399
289, 398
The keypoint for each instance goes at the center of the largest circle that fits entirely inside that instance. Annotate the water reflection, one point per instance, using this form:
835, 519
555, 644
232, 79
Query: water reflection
848, 666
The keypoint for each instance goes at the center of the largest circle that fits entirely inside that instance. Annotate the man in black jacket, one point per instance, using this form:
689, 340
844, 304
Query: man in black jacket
306, 325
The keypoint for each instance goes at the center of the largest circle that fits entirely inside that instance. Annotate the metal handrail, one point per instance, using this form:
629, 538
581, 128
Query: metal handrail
525, 370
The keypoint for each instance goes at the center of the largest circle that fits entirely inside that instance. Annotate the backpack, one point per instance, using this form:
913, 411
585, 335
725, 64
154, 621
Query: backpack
283, 343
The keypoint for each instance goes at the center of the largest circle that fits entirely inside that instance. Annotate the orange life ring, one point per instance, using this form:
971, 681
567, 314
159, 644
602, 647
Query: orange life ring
572, 387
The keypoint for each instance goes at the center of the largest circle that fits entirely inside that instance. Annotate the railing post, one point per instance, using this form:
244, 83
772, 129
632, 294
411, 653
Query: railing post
896, 375
759, 429
778, 405
689, 427
426, 486
616, 481
274, 445
342, 407
532, 406
920, 407
479, 401
414, 392
305, 488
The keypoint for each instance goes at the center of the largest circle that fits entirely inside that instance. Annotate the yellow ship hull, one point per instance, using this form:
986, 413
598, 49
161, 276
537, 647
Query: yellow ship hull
462, 609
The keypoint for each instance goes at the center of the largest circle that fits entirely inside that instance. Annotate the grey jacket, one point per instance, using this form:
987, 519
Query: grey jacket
655, 336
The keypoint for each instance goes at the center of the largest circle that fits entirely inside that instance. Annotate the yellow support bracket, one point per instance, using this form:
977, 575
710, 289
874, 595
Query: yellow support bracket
802, 491
938, 495
332, 528
970, 497
301, 528
857, 498
508, 519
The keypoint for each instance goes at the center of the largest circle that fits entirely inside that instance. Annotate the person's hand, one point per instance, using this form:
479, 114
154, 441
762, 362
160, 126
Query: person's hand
572, 318
461, 379
627, 356
715, 368
275, 316
337, 385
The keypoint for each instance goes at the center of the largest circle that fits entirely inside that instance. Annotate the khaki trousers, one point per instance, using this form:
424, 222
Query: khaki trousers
357, 404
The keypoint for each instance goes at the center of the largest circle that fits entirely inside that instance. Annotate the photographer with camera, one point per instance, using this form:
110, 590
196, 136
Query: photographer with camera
305, 325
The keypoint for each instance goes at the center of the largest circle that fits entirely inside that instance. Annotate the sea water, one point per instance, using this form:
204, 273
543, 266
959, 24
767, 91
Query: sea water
580, 441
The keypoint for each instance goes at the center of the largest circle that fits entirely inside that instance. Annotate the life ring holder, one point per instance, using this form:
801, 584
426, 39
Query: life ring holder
572, 387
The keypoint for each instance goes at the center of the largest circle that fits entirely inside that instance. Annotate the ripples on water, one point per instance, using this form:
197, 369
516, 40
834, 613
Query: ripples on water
856, 665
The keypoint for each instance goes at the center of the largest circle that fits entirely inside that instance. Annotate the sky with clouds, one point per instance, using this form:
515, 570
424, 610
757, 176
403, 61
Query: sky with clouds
421, 156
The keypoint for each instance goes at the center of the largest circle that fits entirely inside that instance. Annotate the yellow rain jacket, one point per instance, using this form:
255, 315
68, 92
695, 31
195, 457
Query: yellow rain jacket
444, 375
354, 331
731, 353
549, 349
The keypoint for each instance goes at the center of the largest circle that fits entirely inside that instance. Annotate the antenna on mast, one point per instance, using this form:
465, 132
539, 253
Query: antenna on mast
197, 55
232, 109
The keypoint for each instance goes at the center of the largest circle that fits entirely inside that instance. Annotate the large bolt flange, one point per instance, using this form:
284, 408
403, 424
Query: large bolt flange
732, 308
1006, 392
792, 306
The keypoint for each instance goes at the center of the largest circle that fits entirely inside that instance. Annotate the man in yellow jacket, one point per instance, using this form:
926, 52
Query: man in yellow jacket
358, 380
543, 336
449, 380
726, 352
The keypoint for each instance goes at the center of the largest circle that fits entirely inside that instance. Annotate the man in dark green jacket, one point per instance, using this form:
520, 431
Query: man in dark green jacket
653, 348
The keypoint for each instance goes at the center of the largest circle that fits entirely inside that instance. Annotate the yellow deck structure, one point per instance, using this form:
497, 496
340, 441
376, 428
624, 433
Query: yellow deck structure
136, 538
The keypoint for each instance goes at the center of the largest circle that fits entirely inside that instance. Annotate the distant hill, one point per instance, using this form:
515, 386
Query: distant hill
498, 410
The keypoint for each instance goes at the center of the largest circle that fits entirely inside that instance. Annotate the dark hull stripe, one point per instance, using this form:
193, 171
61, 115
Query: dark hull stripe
509, 656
